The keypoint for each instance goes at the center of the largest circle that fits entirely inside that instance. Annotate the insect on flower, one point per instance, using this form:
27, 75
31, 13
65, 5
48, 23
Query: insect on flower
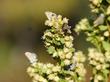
32, 57
50, 15
99, 20
70, 67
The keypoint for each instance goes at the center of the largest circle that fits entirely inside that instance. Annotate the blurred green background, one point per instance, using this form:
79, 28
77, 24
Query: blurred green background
21, 29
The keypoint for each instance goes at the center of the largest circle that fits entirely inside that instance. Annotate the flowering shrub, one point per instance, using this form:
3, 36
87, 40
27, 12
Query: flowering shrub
58, 40
98, 33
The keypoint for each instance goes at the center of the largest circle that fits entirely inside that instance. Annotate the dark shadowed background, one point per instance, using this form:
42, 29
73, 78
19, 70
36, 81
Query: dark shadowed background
21, 29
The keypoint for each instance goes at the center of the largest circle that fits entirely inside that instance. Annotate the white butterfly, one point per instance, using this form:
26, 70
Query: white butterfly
50, 15
32, 57
99, 20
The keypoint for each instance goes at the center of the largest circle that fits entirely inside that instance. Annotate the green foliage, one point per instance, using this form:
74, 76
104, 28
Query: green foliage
106, 45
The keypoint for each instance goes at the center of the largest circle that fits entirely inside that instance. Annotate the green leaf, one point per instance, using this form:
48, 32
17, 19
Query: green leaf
108, 18
62, 63
72, 49
105, 71
62, 40
51, 49
106, 45
62, 80
89, 38
108, 1
103, 28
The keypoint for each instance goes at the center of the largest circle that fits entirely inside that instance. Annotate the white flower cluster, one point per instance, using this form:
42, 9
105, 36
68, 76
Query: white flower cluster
108, 10
56, 73
44, 72
58, 40
57, 37
82, 25
54, 20
97, 59
99, 63
97, 30
107, 55
79, 60
98, 33
96, 2
98, 5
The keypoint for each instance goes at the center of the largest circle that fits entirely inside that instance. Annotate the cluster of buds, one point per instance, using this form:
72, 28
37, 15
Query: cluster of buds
58, 40
98, 33
98, 5
82, 25
99, 62
54, 20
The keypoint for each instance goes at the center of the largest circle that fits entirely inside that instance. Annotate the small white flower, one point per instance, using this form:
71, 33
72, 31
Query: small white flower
61, 54
96, 2
48, 71
108, 10
106, 33
56, 68
67, 62
51, 76
79, 57
99, 77
65, 20
66, 50
68, 44
69, 55
99, 67
56, 78
80, 69
102, 38
32, 57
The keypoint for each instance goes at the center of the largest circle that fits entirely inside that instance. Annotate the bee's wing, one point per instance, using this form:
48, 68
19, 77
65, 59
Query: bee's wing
32, 57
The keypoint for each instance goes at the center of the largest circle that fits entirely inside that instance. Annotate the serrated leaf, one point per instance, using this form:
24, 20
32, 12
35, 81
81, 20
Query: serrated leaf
51, 49
103, 28
106, 45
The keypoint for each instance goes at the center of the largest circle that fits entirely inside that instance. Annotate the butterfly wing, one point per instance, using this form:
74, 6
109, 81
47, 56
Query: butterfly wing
50, 15
32, 57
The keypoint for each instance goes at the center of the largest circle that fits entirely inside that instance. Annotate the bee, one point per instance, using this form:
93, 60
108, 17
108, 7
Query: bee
70, 67
32, 57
